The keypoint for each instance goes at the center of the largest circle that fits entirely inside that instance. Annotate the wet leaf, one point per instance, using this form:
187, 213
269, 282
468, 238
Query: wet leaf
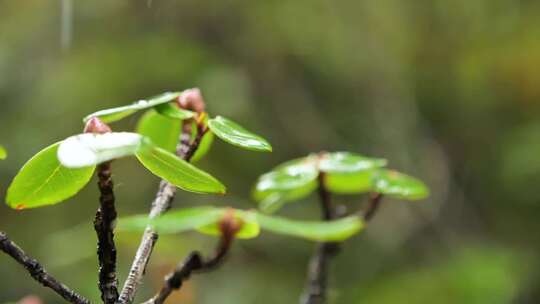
347, 163
399, 185
179, 172
234, 134
290, 181
44, 181
114, 114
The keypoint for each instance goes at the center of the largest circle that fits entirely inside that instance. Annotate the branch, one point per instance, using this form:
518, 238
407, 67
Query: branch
37, 272
373, 206
104, 225
192, 100
194, 263
315, 292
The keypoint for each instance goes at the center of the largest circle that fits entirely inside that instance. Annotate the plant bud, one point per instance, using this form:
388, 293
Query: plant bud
229, 225
191, 99
95, 125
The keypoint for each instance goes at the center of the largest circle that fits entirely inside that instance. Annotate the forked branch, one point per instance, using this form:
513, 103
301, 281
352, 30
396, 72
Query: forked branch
190, 100
195, 263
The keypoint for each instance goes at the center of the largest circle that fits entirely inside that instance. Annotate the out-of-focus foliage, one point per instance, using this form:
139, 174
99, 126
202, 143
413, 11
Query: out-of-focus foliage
447, 91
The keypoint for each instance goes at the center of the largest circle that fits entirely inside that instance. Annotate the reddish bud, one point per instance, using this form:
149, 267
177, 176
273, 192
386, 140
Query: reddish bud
30, 300
229, 225
95, 125
191, 99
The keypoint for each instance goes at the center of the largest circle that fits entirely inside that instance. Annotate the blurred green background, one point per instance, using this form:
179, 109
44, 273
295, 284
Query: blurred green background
448, 91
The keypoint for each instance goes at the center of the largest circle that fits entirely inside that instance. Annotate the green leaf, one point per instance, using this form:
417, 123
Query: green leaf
347, 163
172, 110
162, 131
206, 142
333, 231
91, 149
3, 153
399, 185
178, 172
351, 183
250, 227
290, 181
234, 134
174, 221
114, 114
206, 220
44, 181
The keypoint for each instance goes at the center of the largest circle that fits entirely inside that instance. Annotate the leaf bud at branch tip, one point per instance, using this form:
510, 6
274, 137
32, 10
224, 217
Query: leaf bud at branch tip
229, 225
191, 99
96, 125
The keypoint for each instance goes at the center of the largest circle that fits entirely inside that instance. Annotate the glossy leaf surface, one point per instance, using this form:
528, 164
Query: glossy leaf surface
346, 162
337, 230
399, 185
44, 181
114, 114
91, 149
162, 131
179, 172
234, 134
290, 181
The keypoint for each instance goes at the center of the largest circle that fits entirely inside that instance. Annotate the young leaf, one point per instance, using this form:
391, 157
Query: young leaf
234, 134
250, 227
162, 131
334, 231
352, 183
3, 153
91, 149
178, 172
204, 147
399, 185
347, 163
114, 114
290, 181
174, 221
173, 111
44, 181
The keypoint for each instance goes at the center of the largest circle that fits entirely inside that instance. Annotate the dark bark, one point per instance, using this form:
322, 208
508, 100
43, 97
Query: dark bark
373, 206
36, 270
316, 286
194, 263
104, 225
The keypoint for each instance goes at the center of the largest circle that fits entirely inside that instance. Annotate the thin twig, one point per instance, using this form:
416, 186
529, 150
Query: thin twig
38, 272
194, 263
192, 100
315, 291
160, 205
373, 206
104, 225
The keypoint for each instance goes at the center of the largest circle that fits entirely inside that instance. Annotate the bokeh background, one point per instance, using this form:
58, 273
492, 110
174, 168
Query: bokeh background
448, 91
